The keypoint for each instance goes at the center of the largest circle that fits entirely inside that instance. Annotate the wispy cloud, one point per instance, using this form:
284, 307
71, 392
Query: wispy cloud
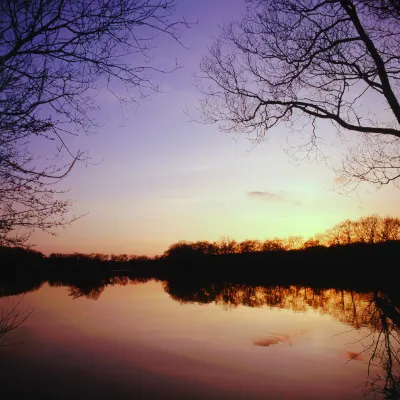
270, 196
339, 180
265, 195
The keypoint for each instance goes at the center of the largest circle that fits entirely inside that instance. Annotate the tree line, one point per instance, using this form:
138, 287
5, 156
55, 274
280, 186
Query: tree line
370, 230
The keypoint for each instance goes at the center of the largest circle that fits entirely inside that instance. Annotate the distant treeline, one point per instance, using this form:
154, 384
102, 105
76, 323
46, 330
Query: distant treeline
360, 255
366, 230
358, 266
231, 279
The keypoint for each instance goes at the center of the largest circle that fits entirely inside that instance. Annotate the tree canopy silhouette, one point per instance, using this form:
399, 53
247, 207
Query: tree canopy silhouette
303, 62
369, 229
55, 56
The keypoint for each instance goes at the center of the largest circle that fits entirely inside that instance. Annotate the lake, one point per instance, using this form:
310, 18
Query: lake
164, 340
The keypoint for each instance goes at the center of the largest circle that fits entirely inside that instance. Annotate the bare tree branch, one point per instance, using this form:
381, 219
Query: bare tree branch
300, 61
54, 56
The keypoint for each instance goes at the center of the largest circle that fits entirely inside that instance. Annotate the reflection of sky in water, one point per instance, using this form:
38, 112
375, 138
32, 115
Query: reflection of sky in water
135, 340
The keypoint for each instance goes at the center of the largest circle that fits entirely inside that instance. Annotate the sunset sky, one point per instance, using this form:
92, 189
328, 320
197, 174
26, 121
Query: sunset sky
158, 177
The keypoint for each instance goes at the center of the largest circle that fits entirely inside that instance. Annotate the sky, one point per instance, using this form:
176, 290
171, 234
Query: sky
157, 177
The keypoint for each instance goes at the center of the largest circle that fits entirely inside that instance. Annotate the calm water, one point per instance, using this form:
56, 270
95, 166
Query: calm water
140, 340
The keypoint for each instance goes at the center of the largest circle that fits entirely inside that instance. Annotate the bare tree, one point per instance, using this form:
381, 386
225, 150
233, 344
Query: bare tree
369, 229
342, 233
390, 229
275, 244
55, 55
227, 245
302, 62
249, 246
382, 344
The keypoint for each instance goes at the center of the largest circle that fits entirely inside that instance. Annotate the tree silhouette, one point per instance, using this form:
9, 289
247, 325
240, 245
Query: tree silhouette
55, 56
182, 250
383, 347
226, 245
249, 246
370, 229
273, 245
303, 62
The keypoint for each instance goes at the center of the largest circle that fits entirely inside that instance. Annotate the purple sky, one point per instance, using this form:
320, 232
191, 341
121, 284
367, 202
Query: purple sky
162, 178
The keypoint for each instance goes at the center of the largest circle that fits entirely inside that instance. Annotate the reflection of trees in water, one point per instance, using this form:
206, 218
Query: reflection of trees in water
13, 316
84, 286
377, 311
93, 287
91, 293
349, 307
383, 344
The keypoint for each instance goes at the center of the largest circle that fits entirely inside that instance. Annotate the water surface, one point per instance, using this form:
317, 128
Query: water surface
157, 340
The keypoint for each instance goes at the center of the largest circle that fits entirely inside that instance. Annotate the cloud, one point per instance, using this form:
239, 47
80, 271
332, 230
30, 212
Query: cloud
273, 339
269, 196
353, 355
265, 195
339, 180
